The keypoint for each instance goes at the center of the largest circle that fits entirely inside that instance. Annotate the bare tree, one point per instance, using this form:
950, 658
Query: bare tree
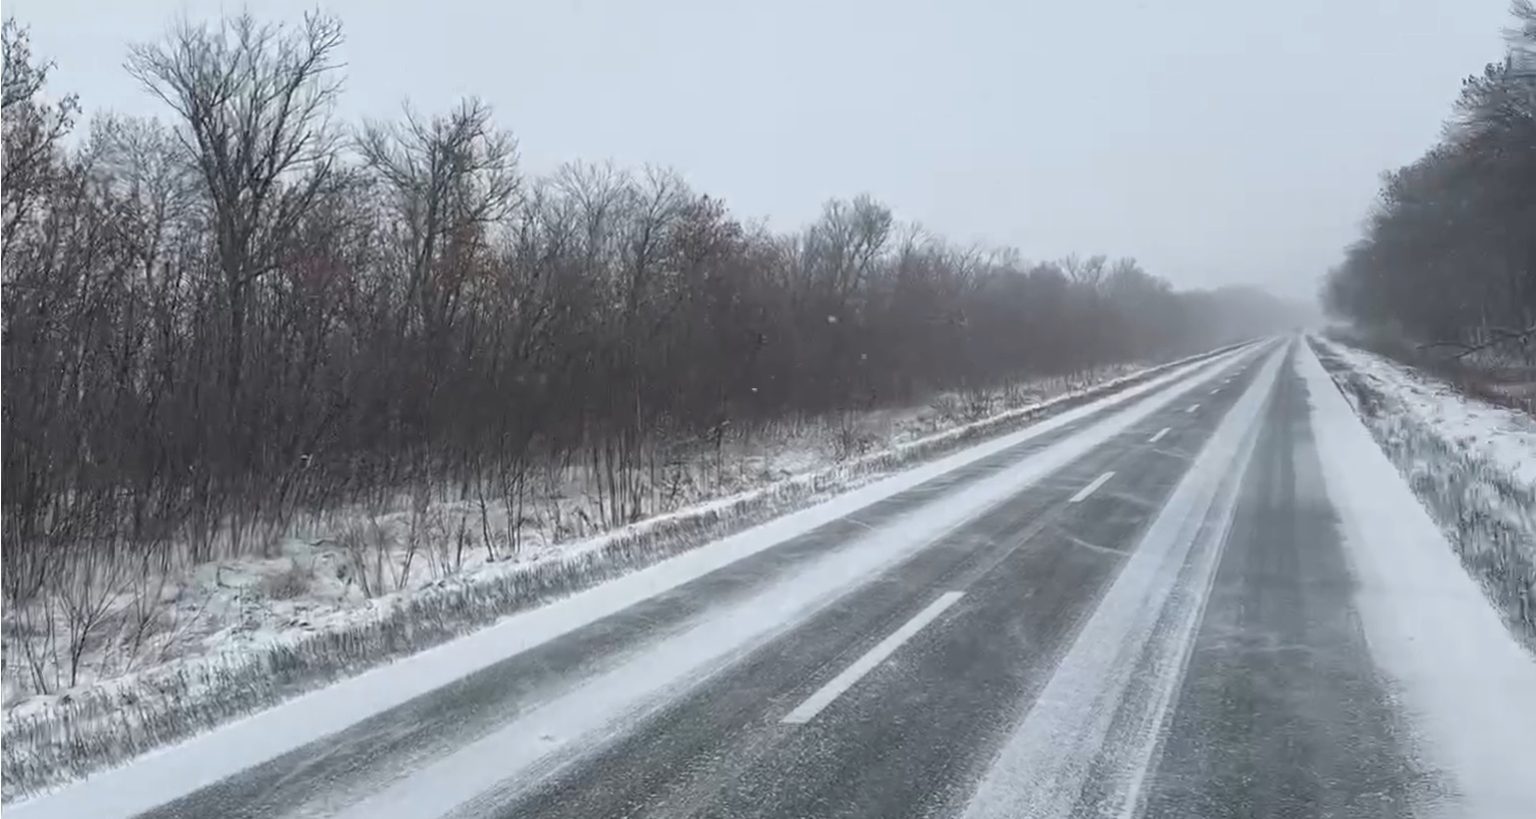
1087, 272
431, 326
448, 180
254, 100
32, 126
147, 170
847, 240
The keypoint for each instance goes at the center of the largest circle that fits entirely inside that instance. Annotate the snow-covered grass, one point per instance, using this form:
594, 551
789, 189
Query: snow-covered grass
330, 567
1463, 685
361, 589
1502, 375
1470, 463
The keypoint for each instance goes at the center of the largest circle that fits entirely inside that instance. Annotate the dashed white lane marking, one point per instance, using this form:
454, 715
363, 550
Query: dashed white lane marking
824, 696
1192, 407
1089, 489
1159, 436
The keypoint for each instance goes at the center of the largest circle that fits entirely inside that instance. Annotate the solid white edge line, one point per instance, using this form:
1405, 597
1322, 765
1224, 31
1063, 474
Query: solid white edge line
1159, 436
824, 696
1090, 488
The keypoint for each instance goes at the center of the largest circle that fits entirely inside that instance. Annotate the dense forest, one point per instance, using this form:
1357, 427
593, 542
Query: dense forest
1448, 259
248, 310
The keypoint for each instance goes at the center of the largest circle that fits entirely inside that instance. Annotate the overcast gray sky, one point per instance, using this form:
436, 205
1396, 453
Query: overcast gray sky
1219, 141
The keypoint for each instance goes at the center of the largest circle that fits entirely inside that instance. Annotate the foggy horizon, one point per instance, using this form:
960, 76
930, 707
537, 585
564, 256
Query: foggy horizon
1215, 145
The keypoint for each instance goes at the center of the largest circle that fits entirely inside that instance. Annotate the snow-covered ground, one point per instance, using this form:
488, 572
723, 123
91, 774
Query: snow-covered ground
241, 635
1463, 683
328, 570
1471, 464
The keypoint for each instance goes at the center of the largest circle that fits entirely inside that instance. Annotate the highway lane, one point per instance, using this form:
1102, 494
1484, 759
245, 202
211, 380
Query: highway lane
1281, 711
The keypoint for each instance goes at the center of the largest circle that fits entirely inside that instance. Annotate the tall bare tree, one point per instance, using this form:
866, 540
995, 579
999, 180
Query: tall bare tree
32, 126
254, 102
448, 180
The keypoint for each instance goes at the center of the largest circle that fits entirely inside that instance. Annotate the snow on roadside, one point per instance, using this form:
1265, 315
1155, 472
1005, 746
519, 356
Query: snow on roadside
49, 739
1471, 464
326, 570
1504, 437
1465, 685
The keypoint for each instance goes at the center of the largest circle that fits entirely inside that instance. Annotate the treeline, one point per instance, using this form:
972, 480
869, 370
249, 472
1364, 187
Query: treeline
247, 312
1448, 260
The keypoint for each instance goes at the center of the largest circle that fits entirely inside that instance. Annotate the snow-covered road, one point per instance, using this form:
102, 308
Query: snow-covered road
1207, 596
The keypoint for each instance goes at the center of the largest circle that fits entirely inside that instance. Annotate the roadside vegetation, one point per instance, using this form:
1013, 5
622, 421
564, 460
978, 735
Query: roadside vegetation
247, 318
294, 395
1445, 273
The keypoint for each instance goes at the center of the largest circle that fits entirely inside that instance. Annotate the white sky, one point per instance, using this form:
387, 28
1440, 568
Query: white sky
1219, 141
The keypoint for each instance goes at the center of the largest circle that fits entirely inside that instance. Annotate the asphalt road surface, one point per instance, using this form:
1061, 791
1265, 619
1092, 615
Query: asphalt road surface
1147, 611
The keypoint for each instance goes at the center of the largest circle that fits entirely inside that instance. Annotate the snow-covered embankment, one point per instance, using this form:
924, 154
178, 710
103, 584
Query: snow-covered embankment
1463, 683
1471, 464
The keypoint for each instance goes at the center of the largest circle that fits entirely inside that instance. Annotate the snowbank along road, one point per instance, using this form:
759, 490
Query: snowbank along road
1208, 596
